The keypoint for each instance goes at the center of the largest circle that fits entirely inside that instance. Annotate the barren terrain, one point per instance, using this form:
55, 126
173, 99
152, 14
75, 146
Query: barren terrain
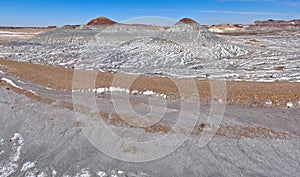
66, 95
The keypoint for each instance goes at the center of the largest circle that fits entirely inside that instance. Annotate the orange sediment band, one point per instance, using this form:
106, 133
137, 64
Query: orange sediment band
239, 93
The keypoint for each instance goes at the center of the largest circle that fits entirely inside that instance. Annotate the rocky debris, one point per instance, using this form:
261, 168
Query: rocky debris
226, 28
146, 27
71, 26
69, 34
275, 24
51, 27
101, 21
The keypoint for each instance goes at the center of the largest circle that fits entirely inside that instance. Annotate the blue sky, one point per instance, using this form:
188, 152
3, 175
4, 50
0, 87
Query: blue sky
61, 12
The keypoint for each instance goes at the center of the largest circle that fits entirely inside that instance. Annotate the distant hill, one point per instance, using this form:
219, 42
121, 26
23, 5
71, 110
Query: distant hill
101, 21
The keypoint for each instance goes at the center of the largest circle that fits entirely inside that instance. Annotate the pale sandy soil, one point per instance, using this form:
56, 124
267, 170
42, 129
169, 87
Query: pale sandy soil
20, 33
25, 30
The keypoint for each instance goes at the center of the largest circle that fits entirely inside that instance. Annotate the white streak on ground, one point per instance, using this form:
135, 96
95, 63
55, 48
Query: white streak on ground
102, 174
54, 173
10, 167
42, 174
84, 173
17, 143
125, 90
289, 105
10, 82
148, 93
27, 165
118, 89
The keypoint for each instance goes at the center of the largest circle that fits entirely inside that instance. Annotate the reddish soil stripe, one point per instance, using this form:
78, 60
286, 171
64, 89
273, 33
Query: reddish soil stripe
238, 92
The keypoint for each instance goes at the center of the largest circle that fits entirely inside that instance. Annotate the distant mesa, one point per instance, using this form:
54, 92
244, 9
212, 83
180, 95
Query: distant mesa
101, 21
280, 24
187, 21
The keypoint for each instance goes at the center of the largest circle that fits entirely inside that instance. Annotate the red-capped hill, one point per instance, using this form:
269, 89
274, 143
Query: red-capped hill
101, 21
187, 21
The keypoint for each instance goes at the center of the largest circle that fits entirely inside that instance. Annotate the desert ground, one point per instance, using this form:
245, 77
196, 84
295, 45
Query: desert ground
65, 91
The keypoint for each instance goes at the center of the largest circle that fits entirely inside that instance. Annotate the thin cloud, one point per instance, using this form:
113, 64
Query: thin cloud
159, 10
292, 3
169, 10
238, 12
